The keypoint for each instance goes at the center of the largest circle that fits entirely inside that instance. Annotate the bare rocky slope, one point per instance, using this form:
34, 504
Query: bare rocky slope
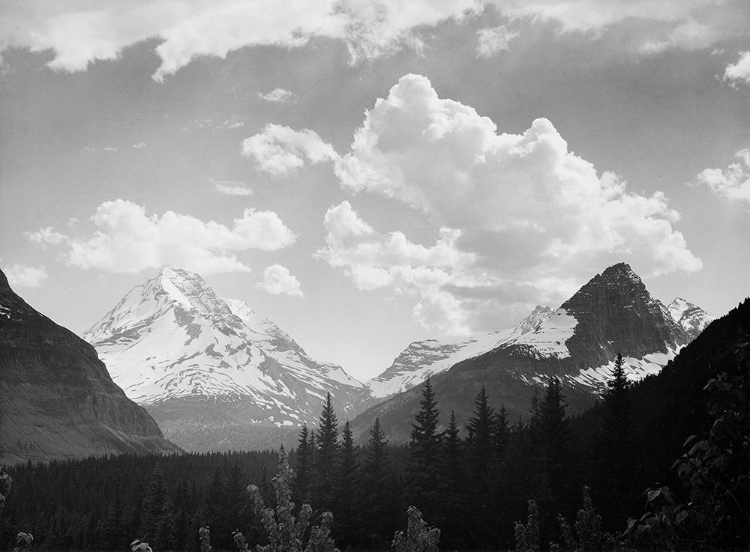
57, 399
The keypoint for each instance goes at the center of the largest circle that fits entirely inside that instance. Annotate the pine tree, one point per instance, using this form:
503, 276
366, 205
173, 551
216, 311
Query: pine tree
376, 498
424, 454
480, 443
303, 467
615, 448
347, 512
553, 426
454, 516
327, 457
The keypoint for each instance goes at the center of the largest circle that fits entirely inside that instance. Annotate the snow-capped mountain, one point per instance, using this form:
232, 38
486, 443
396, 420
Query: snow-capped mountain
423, 359
213, 373
577, 343
692, 318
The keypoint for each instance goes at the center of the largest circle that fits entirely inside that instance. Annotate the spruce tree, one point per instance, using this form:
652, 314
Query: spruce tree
347, 512
424, 454
453, 518
615, 448
327, 457
376, 485
303, 467
481, 443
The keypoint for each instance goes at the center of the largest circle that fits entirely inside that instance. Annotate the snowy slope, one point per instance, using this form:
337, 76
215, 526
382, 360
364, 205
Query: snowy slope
692, 318
423, 359
172, 338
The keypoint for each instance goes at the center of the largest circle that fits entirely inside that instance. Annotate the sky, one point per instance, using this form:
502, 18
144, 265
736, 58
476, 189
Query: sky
367, 174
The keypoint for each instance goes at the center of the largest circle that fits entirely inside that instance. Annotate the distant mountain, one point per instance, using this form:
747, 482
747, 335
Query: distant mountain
423, 359
612, 313
214, 374
692, 318
57, 400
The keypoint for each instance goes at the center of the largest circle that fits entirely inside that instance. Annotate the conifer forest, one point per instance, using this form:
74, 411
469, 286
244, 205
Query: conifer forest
657, 465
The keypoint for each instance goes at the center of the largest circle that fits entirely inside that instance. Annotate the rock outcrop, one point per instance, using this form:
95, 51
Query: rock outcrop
57, 399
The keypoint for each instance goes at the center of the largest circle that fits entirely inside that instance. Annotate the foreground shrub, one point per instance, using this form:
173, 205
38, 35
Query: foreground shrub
419, 537
285, 531
527, 536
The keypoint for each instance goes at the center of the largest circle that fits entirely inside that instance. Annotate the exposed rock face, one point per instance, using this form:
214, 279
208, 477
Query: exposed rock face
690, 317
612, 313
215, 375
57, 399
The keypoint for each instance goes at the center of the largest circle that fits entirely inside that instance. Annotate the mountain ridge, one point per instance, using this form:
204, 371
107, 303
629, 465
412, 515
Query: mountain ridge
57, 399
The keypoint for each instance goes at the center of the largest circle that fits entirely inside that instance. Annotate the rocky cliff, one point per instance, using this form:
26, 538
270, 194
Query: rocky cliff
57, 399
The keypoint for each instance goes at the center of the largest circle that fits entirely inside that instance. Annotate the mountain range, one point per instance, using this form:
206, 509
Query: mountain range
57, 399
612, 313
217, 376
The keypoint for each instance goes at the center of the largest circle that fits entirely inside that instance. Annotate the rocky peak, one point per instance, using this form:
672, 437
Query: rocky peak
616, 313
532, 321
191, 292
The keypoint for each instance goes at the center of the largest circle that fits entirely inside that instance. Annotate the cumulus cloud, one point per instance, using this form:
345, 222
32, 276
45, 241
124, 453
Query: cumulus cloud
277, 95
127, 239
510, 208
231, 187
733, 182
374, 260
280, 150
491, 41
26, 276
739, 71
279, 281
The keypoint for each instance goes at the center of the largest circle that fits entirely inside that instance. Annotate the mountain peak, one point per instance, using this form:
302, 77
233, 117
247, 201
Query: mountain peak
690, 317
4, 285
619, 272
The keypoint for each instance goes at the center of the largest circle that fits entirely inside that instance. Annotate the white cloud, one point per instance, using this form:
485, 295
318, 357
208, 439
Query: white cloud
278, 281
511, 208
277, 95
374, 260
732, 183
739, 71
231, 187
139, 145
26, 276
127, 239
494, 40
48, 236
280, 150
84, 32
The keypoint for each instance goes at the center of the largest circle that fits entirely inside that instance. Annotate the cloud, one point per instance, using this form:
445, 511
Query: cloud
87, 31
139, 145
509, 208
280, 150
494, 40
129, 240
26, 276
733, 183
48, 236
231, 187
739, 71
278, 281
277, 95
374, 260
